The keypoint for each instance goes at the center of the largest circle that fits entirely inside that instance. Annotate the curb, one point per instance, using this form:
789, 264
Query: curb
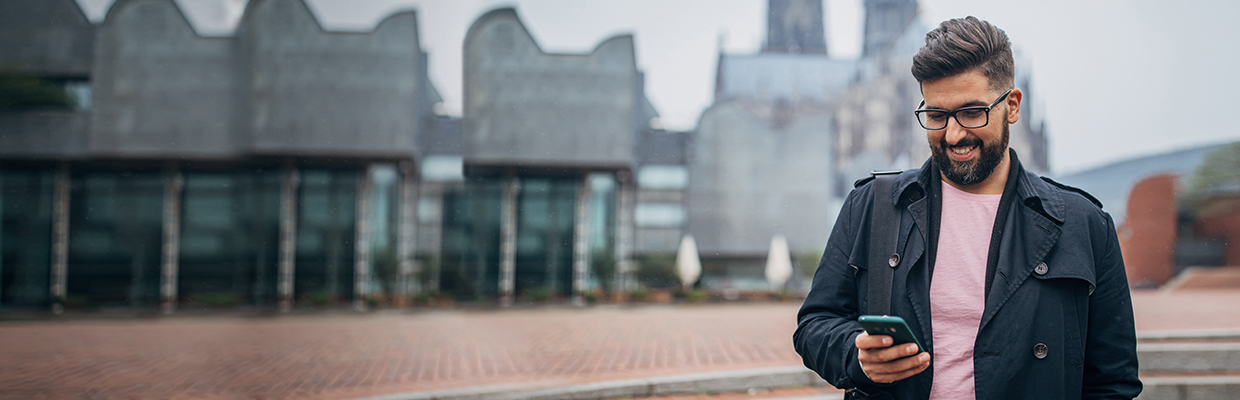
1190, 388
1225, 334
715, 382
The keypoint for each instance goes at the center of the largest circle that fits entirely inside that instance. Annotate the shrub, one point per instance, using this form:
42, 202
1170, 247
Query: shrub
319, 298
215, 299
639, 294
538, 295
657, 271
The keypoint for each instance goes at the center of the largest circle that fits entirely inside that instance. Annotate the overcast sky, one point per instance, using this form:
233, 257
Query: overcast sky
1115, 79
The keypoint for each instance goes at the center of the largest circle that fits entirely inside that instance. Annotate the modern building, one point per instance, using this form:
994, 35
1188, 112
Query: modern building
145, 164
551, 144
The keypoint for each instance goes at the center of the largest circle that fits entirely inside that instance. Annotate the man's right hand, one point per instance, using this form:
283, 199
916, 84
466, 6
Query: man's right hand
885, 363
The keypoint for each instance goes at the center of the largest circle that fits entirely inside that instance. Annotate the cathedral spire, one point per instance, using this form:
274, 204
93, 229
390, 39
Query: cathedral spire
795, 27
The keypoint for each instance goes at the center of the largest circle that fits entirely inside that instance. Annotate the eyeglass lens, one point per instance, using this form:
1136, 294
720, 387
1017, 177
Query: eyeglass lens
967, 118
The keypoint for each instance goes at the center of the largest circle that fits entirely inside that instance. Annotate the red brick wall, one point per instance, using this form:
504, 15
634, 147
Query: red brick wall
1148, 235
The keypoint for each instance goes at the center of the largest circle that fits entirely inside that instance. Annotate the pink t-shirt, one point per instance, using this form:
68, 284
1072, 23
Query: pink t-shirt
958, 288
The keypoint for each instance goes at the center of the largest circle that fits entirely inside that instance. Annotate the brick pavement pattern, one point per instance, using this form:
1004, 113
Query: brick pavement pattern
337, 355
345, 356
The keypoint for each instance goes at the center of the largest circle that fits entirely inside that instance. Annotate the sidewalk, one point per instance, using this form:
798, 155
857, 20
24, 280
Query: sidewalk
338, 356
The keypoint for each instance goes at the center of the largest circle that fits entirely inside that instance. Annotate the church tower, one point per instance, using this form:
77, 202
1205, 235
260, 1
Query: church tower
885, 20
795, 27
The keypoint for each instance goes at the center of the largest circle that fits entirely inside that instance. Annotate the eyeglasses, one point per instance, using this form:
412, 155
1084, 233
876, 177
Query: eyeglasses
968, 117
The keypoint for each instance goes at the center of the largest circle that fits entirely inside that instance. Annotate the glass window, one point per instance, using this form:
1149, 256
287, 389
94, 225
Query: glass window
663, 177
230, 238
384, 226
659, 214
469, 265
26, 239
326, 215
115, 239
546, 210
440, 168
602, 230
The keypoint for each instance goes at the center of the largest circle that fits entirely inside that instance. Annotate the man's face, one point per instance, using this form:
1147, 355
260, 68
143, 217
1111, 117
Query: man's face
968, 156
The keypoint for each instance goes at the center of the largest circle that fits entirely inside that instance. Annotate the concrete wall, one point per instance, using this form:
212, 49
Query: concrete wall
45, 38
160, 89
525, 107
761, 169
316, 92
43, 134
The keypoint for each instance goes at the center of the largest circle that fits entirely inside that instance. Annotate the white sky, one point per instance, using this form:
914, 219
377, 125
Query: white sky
1114, 79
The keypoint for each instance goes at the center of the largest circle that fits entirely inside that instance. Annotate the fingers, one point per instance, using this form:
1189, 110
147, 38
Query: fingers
865, 341
898, 369
885, 354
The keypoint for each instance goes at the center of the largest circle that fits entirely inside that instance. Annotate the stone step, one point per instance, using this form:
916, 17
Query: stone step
1190, 388
1206, 357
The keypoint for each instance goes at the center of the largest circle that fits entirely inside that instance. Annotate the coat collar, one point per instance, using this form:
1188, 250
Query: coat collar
1031, 191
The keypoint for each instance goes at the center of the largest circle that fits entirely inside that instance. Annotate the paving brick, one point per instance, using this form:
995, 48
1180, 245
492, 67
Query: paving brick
340, 355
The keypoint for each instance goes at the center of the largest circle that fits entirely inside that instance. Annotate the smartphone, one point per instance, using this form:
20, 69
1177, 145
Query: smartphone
888, 325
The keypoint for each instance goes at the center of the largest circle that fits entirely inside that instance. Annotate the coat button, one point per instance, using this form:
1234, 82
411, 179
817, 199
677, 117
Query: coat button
1040, 269
1040, 350
894, 260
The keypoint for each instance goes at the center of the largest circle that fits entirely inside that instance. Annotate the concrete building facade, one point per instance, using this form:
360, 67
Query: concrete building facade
273, 166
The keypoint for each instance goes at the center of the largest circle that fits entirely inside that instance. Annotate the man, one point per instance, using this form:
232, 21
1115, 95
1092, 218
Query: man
1014, 283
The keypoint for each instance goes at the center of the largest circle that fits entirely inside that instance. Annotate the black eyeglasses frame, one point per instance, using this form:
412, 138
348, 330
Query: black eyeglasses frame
952, 114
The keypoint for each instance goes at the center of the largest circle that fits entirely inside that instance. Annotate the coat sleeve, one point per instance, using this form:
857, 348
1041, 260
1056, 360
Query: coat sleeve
827, 323
1111, 345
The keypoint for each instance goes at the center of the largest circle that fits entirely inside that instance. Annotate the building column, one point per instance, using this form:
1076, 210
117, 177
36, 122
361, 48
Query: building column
625, 199
173, 184
508, 242
581, 242
288, 236
407, 283
60, 239
361, 242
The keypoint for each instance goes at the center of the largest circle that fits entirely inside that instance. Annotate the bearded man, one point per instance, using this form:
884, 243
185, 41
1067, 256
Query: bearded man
1014, 283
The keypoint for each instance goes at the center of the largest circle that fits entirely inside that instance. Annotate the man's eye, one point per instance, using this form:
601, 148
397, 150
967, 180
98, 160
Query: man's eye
970, 113
936, 115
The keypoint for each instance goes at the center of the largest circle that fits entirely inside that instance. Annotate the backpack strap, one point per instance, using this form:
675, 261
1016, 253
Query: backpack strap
883, 257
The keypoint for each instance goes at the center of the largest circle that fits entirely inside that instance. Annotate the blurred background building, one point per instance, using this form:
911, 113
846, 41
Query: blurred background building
145, 164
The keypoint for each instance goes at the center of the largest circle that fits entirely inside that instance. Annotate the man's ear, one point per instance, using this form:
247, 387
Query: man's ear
1013, 101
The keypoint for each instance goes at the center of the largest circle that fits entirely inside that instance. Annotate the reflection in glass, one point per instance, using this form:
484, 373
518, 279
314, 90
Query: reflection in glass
469, 267
326, 225
115, 238
26, 239
602, 231
230, 231
545, 214
384, 228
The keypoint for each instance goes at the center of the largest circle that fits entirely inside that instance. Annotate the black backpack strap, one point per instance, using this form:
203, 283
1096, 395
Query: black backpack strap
884, 228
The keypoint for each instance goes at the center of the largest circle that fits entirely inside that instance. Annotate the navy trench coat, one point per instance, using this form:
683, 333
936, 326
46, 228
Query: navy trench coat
1057, 322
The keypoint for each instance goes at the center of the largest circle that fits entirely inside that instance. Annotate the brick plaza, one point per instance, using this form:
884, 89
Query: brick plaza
341, 355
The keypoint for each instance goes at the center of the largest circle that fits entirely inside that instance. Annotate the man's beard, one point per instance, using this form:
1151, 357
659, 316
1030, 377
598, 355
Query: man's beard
970, 173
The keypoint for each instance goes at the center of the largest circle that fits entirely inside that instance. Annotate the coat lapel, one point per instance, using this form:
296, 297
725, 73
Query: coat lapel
915, 236
1028, 236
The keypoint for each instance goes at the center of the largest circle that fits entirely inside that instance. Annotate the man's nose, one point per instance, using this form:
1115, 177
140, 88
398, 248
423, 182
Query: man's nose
955, 132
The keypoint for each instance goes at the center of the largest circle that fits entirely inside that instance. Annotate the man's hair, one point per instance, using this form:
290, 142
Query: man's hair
962, 45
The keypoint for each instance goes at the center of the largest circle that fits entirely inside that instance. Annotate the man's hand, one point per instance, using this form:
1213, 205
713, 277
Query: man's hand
885, 363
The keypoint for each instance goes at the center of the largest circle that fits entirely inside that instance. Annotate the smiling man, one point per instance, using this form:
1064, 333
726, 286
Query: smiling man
1014, 283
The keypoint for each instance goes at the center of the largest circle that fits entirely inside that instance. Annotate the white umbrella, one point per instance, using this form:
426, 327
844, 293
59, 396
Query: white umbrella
778, 263
688, 266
